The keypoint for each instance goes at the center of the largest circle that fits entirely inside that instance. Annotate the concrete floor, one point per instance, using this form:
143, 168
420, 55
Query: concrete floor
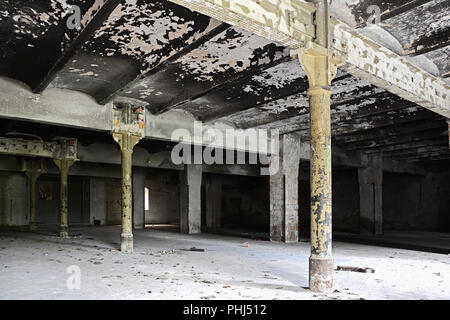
34, 266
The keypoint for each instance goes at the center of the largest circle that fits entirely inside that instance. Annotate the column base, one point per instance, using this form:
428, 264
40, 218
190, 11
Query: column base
320, 274
63, 232
126, 243
33, 227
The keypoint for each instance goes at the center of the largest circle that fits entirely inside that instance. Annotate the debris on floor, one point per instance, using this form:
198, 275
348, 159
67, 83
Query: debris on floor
355, 269
194, 249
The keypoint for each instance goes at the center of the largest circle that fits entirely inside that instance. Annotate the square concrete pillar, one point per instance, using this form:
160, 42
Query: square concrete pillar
190, 199
139, 176
284, 190
371, 196
213, 202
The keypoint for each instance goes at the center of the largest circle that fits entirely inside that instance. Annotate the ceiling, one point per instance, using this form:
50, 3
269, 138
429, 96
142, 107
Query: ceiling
167, 57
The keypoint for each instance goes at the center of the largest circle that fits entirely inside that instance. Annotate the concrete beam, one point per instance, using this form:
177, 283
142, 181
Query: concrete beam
289, 22
367, 60
69, 108
65, 148
178, 126
54, 106
30, 148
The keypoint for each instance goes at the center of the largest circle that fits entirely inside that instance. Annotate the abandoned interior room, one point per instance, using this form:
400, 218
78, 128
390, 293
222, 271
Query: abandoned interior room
212, 149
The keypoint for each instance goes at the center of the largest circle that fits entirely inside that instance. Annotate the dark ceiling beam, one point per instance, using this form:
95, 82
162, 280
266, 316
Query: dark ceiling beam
375, 122
395, 11
389, 132
300, 87
388, 8
427, 44
386, 102
129, 83
420, 153
380, 114
432, 160
436, 141
76, 45
381, 121
386, 140
240, 77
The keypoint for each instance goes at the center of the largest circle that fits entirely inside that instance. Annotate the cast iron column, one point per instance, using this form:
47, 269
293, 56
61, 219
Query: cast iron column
63, 165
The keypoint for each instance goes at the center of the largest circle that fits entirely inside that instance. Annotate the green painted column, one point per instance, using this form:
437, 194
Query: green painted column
64, 166
126, 141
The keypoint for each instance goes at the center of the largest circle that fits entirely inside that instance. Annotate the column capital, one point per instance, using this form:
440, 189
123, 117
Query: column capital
64, 164
33, 168
320, 65
128, 126
126, 140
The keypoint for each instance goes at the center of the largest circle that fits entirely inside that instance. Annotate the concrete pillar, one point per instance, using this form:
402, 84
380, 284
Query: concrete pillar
64, 166
126, 141
320, 66
284, 190
213, 202
190, 202
371, 196
139, 175
33, 171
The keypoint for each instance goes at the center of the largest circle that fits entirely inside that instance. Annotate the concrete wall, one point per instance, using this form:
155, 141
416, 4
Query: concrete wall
14, 199
416, 202
47, 203
164, 197
97, 200
15, 203
346, 200
245, 204
113, 202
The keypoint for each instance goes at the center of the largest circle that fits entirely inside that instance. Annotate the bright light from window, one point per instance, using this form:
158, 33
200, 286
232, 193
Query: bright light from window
147, 198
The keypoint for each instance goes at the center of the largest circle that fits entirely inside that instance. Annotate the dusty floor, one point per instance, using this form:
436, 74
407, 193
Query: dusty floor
34, 266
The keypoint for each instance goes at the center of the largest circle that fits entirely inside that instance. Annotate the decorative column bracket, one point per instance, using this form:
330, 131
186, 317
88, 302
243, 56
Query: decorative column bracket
128, 130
